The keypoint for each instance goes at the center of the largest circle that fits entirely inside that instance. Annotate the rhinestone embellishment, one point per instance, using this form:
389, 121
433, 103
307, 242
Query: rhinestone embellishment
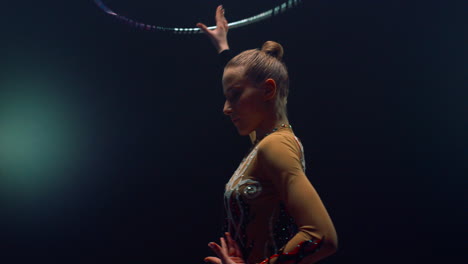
252, 190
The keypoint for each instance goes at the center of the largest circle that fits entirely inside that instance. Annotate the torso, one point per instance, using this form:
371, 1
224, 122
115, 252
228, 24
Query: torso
256, 216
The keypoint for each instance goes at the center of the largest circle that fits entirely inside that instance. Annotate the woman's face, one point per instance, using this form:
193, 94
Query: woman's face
244, 101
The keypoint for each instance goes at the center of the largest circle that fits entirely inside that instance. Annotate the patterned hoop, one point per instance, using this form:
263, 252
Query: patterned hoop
236, 24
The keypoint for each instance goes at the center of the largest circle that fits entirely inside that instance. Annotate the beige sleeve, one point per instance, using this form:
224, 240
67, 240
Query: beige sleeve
280, 157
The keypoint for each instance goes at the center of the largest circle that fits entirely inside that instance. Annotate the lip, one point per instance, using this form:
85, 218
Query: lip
235, 120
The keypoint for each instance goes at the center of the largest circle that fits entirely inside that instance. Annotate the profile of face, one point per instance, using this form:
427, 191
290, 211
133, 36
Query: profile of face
245, 102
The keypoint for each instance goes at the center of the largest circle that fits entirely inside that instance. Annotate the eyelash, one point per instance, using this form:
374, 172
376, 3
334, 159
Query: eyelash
233, 98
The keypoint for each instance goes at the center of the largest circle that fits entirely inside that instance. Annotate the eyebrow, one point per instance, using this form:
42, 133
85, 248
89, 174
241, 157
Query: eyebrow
231, 88
228, 90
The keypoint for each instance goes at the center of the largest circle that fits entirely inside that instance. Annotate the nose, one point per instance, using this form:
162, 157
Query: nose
227, 110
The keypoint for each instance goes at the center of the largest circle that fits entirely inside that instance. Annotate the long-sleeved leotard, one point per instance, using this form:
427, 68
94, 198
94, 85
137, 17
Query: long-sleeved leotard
273, 211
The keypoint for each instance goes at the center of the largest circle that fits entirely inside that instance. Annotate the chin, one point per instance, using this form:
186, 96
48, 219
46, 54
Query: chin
244, 132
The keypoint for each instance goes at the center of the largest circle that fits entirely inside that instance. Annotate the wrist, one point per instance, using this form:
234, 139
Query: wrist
222, 46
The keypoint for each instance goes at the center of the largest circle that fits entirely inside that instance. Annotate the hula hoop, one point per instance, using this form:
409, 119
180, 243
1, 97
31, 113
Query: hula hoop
180, 30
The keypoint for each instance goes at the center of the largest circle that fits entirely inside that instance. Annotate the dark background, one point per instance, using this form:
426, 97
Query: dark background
376, 96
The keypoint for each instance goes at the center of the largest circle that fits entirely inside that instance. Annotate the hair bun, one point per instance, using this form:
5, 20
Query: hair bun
273, 49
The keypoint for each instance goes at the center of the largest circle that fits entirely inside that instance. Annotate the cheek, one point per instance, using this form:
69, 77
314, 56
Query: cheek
246, 108
251, 104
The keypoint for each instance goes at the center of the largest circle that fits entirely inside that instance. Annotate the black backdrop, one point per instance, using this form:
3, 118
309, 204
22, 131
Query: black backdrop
376, 96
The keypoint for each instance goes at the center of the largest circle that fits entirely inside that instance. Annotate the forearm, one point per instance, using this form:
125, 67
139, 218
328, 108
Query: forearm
222, 46
306, 247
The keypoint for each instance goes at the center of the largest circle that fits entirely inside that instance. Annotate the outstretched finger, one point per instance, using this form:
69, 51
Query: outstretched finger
223, 244
231, 248
219, 13
203, 28
220, 252
234, 249
220, 18
213, 260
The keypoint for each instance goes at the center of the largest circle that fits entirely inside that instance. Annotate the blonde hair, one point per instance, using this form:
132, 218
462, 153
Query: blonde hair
260, 65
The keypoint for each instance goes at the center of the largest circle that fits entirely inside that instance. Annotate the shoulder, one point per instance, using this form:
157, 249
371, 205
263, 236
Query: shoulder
279, 144
282, 140
280, 155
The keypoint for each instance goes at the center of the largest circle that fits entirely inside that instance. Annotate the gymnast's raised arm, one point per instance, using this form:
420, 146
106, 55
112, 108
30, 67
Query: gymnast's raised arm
218, 36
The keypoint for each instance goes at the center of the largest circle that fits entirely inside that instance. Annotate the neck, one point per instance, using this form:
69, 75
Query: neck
268, 125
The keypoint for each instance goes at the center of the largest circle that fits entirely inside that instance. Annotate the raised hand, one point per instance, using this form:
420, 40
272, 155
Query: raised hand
228, 253
218, 36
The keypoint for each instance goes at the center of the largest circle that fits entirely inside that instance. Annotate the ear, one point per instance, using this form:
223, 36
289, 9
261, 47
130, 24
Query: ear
269, 87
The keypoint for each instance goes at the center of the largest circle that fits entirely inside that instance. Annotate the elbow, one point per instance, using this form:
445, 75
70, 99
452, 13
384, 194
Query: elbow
330, 247
330, 244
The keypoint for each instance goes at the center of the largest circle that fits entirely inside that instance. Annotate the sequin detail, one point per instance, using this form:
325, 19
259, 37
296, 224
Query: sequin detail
251, 189
236, 208
241, 169
237, 221
284, 228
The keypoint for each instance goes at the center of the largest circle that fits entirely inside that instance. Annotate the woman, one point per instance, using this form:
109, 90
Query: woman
274, 214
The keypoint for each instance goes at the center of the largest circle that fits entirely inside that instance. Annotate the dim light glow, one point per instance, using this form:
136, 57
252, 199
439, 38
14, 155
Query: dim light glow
39, 137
